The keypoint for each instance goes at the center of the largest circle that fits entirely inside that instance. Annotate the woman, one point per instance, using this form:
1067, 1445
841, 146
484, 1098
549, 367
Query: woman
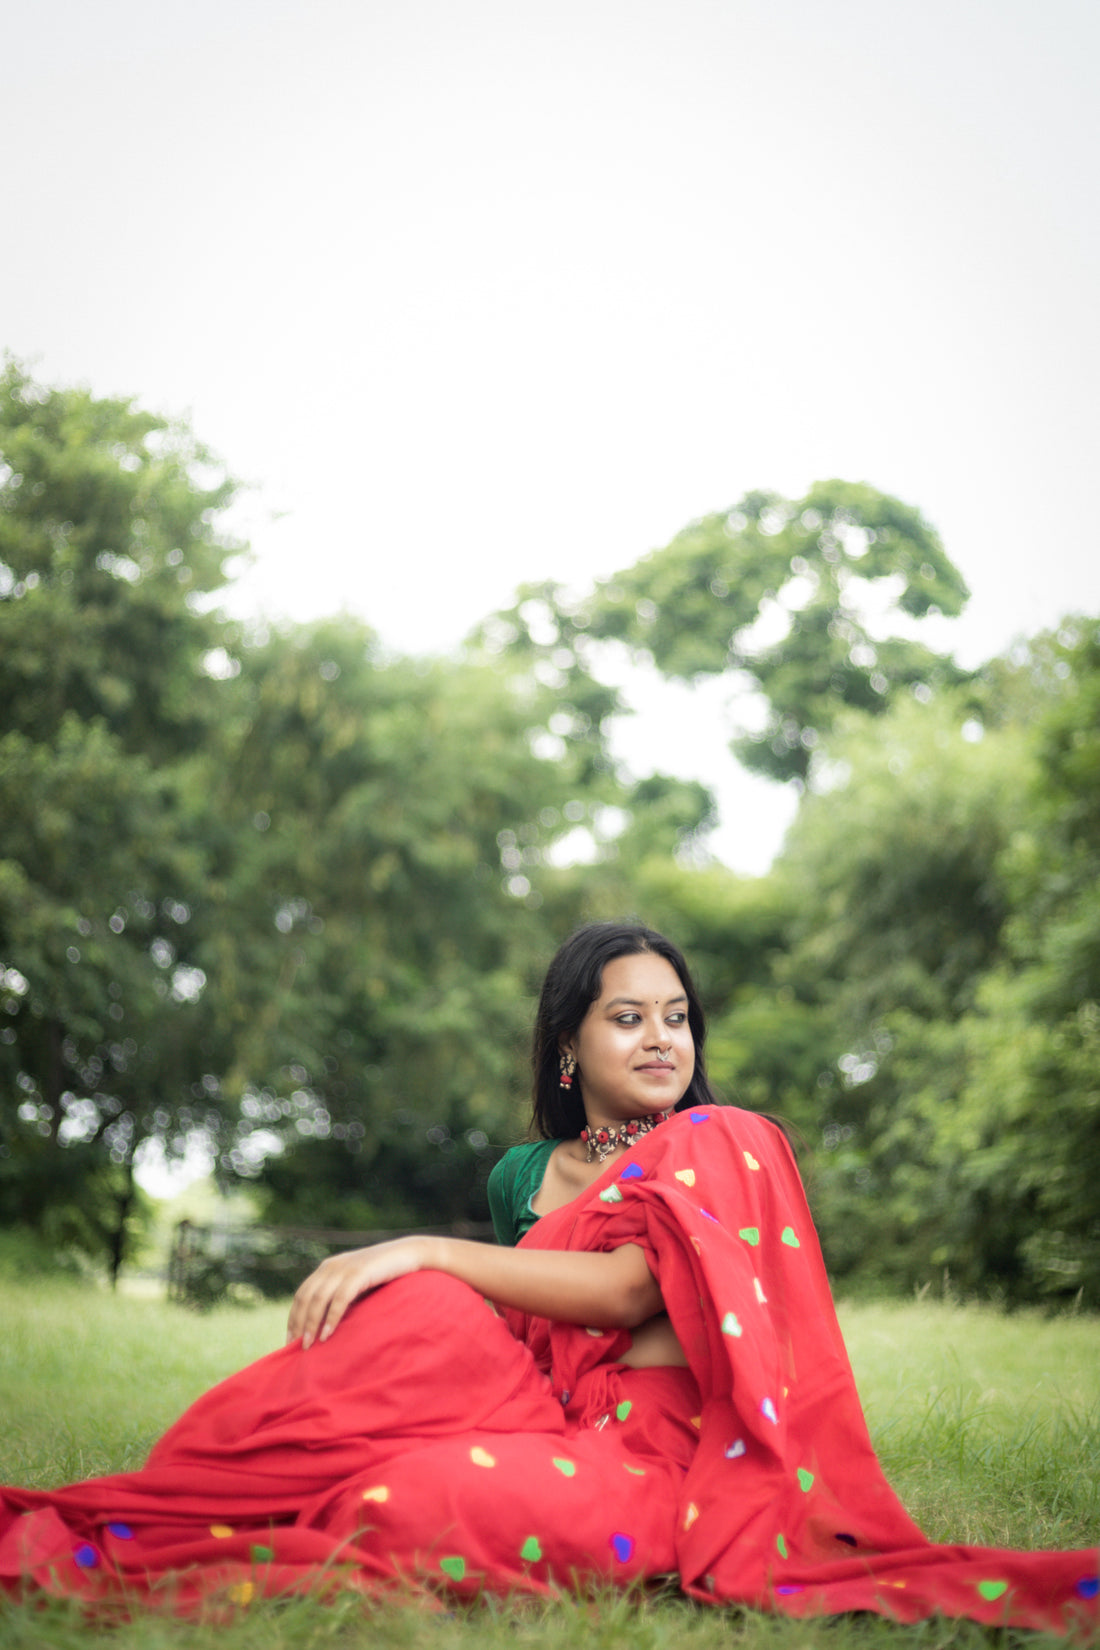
665, 1389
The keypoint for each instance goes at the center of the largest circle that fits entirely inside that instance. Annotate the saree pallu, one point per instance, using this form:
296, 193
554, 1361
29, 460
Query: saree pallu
433, 1443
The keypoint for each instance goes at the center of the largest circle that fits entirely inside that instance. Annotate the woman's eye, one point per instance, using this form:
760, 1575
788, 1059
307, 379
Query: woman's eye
676, 1019
627, 1019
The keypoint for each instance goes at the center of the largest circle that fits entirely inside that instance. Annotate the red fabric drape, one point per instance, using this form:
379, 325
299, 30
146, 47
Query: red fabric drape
432, 1441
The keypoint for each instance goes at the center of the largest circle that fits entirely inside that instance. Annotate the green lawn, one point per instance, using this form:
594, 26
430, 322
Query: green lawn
989, 1427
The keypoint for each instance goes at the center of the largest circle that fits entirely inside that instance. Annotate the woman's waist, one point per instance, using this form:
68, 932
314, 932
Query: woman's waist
655, 1410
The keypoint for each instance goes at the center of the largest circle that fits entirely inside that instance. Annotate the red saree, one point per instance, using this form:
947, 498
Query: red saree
430, 1441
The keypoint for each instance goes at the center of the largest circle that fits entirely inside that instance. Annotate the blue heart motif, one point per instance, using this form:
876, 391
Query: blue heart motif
1088, 1586
699, 1116
633, 1171
624, 1547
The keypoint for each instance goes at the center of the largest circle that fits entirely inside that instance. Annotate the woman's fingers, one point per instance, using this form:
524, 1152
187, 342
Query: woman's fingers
326, 1294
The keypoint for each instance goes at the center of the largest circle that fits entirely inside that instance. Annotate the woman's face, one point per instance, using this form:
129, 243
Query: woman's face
634, 1049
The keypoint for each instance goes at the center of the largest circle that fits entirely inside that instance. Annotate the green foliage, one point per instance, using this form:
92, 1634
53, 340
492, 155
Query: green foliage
292, 896
944, 883
389, 820
775, 590
107, 555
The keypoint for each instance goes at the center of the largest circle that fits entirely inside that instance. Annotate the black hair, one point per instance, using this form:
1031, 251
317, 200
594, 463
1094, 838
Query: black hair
572, 984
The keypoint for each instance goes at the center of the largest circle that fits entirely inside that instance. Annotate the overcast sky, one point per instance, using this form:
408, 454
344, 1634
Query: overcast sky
481, 291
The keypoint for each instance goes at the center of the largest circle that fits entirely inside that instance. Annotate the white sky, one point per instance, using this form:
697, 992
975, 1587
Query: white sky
482, 291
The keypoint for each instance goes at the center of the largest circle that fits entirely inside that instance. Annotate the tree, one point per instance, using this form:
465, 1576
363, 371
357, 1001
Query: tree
385, 926
777, 592
1027, 1131
108, 556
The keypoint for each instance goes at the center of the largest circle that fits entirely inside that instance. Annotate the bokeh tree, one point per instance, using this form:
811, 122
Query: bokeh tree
109, 553
795, 599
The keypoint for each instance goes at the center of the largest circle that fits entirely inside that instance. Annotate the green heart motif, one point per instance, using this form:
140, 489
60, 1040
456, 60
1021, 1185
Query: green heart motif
781, 1546
639, 1472
262, 1555
730, 1325
531, 1549
992, 1589
454, 1567
566, 1467
611, 1194
623, 1410
751, 1234
787, 1236
805, 1479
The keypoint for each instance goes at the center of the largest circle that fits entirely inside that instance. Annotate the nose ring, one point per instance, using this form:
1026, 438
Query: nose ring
664, 1054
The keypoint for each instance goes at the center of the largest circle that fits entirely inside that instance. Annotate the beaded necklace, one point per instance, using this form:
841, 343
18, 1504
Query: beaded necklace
600, 1143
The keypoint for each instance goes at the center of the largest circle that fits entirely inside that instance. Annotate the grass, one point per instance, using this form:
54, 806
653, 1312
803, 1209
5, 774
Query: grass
988, 1426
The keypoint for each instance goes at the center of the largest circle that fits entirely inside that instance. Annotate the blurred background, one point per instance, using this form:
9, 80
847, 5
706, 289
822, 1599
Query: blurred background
468, 469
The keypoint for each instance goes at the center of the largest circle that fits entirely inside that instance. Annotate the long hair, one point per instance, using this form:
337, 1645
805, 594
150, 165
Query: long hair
572, 984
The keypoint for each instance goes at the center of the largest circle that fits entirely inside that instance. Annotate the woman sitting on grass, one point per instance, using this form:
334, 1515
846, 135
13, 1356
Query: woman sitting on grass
660, 1388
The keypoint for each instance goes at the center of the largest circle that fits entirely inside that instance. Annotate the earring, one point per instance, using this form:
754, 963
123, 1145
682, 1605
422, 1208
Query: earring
568, 1067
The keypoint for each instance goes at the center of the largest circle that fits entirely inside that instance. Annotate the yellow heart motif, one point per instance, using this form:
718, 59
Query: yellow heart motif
481, 1457
687, 1176
377, 1492
691, 1515
750, 1160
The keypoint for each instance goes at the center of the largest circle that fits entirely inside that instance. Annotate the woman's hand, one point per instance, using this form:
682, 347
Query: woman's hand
326, 1294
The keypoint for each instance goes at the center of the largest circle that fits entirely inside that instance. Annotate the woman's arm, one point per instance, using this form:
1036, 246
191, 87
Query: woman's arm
608, 1290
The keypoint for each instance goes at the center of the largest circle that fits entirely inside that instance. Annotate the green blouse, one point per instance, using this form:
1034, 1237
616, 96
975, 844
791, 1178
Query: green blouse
512, 1184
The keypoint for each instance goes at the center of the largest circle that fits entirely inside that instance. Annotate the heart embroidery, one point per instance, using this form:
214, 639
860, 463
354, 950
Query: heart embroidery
730, 1325
531, 1550
611, 1194
624, 1547
633, 1171
992, 1589
687, 1176
377, 1492
454, 1567
732, 1451
481, 1457
750, 1160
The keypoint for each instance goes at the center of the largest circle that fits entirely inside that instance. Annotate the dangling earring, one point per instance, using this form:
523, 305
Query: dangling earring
568, 1067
